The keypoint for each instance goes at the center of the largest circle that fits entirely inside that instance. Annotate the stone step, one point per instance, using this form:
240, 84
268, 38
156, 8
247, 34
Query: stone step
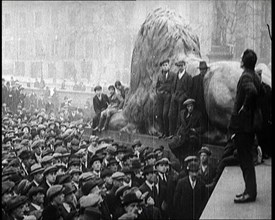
221, 204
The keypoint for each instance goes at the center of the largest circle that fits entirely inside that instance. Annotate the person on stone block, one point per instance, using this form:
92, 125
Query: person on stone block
197, 92
180, 92
100, 103
241, 123
187, 140
163, 89
115, 104
190, 197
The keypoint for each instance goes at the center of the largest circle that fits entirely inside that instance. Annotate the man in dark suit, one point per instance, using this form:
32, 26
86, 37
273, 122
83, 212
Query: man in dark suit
100, 103
163, 89
197, 91
187, 140
241, 123
152, 185
190, 197
180, 92
36, 197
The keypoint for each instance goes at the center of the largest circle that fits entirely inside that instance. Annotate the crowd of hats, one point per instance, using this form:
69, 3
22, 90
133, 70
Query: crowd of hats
47, 146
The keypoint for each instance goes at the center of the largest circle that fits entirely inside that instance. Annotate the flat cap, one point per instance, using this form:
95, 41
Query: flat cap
46, 159
163, 161
205, 150
149, 169
54, 191
88, 186
164, 61
136, 142
36, 168
7, 186
50, 169
193, 166
118, 175
86, 176
68, 189
119, 192
106, 172
35, 190
188, 102
180, 63
130, 198
15, 202
190, 158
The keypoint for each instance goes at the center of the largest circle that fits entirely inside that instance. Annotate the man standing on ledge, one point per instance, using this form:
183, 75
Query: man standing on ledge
163, 90
241, 123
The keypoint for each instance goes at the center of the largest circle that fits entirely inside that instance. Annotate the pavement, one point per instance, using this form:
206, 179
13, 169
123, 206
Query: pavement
221, 203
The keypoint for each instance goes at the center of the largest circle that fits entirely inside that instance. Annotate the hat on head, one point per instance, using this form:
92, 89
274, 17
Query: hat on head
119, 192
148, 169
180, 63
189, 101
130, 198
164, 61
193, 166
136, 164
46, 159
203, 65
88, 186
15, 202
95, 158
106, 172
62, 179
159, 148
97, 88
35, 190
73, 171
150, 155
7, 186
74, 162
86, 176
68, 189
24, 154
46, 153
23, 187
50, 169
118, 175
190, 158
111, 161
126, 170
54, 191
163, 161
36, 168
205, 150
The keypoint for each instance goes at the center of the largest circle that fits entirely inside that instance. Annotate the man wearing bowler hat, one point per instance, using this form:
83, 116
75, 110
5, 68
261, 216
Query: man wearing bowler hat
180, 92
190, 197
163, 90
197, 91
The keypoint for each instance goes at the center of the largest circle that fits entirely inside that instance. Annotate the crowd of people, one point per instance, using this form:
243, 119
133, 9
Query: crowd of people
52, 170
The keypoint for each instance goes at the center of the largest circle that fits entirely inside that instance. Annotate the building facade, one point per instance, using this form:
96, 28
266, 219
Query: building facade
93, 42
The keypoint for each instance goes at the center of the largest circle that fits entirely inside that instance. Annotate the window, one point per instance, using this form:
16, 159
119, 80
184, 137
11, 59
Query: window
38, 19
55, 44
19, 68
71, 53
7, 49
51, 70
36, 69
7, 20
22, 19
22, 48
38, 48
89, 48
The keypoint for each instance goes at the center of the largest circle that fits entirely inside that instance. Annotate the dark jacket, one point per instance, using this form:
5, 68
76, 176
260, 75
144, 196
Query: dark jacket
163, 84
246, 96
194, 121
51, 212
208, 175
150, 212
189, 202
181, 87
159, 198
100, 105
